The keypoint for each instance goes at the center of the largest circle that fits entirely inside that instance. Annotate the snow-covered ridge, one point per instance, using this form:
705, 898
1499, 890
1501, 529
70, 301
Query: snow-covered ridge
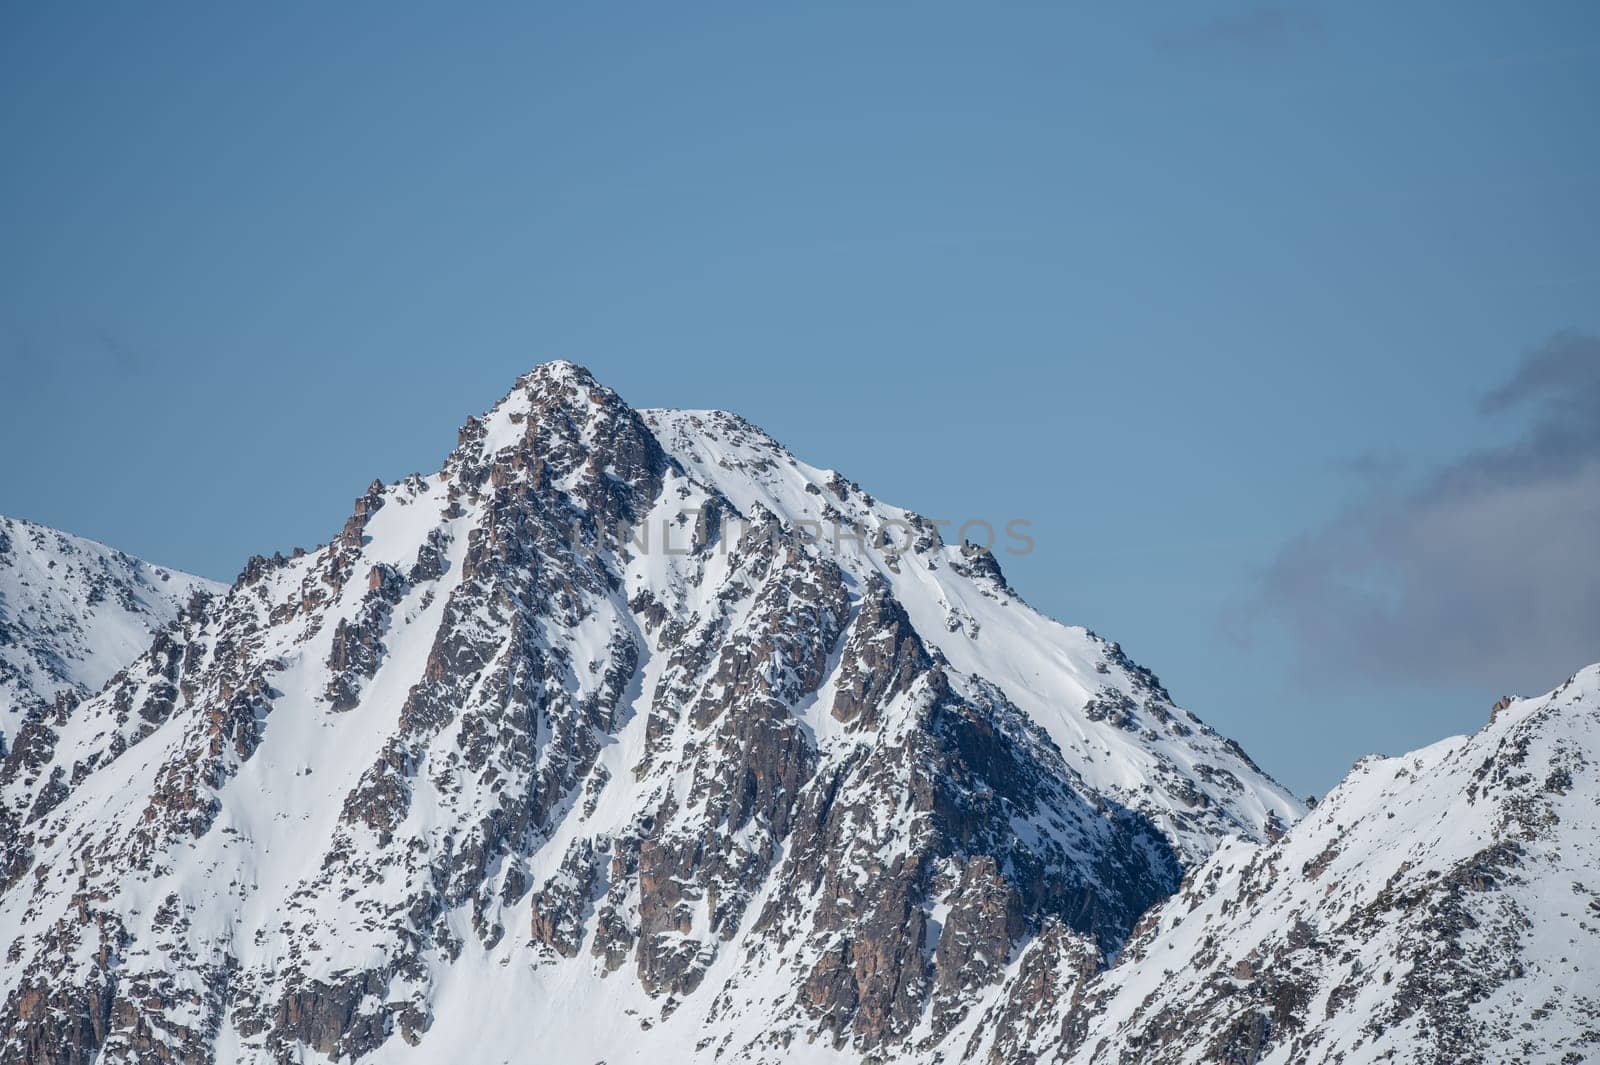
1443, 905
73, 612
1058, 674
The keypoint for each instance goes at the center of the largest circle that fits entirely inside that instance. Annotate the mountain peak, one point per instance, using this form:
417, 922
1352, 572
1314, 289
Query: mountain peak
562, 382
480, 737
560, 370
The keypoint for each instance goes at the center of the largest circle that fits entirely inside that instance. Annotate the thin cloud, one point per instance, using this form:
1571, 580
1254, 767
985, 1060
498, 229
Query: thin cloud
1372, 467
1484, 571
120, 356
1264, 29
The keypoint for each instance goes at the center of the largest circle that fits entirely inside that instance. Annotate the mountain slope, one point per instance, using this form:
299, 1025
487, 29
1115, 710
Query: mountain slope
73, 612
587, 739
1440, 907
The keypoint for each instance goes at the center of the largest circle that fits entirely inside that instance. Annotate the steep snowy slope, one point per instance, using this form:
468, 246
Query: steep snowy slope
1439, 907
1113, 720
586, 743
72, 613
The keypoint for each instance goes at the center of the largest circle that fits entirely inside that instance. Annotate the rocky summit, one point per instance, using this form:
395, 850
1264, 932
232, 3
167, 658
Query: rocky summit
628, 736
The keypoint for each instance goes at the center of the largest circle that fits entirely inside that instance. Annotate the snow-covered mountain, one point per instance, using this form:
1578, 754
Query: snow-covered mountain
72, 613
594, 745
1439, 907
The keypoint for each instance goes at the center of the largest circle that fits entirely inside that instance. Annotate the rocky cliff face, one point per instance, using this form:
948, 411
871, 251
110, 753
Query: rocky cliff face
1439, 907
602, 739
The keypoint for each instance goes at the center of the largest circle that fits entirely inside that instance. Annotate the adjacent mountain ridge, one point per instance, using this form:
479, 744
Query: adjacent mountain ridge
73, 612
1442, 906
600, 740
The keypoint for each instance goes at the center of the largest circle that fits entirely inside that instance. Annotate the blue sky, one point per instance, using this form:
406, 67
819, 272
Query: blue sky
1213, 295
